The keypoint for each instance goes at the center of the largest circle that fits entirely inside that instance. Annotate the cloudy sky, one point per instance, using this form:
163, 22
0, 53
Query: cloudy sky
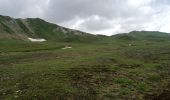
95, 16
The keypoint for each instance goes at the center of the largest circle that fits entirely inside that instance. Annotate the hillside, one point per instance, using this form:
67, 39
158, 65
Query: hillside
143, 35
22, 29
36, 28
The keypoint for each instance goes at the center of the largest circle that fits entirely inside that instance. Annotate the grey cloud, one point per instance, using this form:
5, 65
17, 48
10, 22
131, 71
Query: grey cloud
21, 8
96, 23
66, 10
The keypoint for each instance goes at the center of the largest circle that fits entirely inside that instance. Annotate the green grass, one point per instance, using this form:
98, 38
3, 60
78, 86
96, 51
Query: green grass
123, 81
105, 70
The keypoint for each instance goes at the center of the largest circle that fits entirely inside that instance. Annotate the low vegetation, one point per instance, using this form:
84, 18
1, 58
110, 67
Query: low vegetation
101, 71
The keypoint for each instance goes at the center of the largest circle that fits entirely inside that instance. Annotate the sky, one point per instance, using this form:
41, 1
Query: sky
106, 17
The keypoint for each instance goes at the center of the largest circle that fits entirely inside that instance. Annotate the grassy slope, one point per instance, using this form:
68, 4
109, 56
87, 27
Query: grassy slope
21, 29
143, 35
51, 32
111, 70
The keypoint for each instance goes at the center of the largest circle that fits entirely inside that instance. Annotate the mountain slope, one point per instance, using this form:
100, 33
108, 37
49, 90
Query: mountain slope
22, 29
36, 28
143, 35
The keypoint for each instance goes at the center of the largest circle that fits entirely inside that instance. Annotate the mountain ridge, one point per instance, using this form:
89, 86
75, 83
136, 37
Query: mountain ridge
143, 35
23, 29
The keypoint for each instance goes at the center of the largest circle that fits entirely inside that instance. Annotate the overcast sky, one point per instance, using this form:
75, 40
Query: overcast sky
95, 16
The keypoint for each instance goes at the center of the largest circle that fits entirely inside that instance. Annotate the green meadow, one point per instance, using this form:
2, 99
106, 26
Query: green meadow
115, 69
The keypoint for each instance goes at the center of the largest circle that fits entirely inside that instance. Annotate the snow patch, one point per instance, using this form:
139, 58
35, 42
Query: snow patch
37, 40
66, 47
